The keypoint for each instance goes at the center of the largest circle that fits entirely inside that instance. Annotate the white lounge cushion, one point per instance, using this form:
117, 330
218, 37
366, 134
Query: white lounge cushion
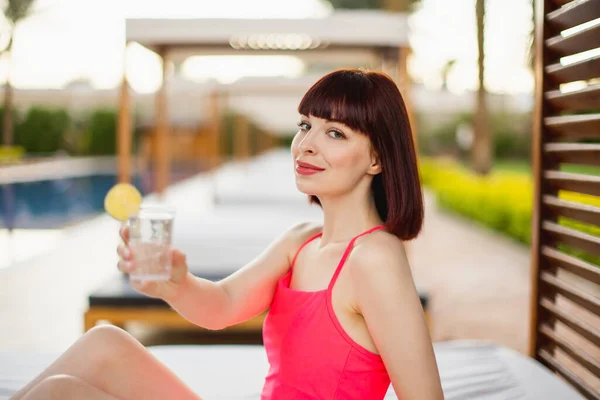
469, 370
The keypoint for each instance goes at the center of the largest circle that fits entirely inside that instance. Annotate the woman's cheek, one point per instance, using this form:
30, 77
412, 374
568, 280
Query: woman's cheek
294, 145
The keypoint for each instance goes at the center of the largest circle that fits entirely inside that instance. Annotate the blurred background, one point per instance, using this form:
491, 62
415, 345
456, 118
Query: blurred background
150, 92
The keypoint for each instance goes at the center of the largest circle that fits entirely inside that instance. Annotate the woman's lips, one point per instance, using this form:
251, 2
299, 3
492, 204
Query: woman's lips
307, 169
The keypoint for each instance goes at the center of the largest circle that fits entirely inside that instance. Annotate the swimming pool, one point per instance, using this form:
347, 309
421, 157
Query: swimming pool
56, 203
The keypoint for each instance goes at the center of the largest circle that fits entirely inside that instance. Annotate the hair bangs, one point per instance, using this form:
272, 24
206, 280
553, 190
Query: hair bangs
329, 98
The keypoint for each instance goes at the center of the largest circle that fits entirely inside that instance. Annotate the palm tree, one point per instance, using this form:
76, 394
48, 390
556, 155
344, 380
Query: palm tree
482, 144
446, 71
14, 11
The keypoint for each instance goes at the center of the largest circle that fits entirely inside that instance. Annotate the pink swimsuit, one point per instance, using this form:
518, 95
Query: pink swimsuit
310, 354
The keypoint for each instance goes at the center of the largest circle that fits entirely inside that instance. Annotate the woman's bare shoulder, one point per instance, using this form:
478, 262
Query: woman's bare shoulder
295, 236
303, 231
379, 247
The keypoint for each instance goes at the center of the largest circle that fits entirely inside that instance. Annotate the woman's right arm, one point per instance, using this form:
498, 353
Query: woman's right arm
244, 294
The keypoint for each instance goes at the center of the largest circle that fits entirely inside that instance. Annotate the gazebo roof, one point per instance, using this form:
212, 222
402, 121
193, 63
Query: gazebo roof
339, 30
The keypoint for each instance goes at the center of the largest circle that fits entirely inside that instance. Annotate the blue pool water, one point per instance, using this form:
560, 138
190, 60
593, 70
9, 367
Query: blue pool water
56, 203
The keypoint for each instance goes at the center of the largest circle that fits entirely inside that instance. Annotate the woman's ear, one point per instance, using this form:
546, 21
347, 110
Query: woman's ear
375, 167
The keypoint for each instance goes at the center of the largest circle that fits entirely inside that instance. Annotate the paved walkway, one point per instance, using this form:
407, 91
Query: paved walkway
478, 281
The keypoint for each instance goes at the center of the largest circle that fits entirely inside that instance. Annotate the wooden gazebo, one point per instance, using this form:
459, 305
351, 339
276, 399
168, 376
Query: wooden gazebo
376, 39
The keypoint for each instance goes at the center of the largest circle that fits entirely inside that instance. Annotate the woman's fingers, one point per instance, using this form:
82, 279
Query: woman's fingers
124, 252
125, 266
124, 232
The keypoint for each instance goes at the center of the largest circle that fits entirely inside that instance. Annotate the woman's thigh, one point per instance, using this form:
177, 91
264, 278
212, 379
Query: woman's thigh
65, 387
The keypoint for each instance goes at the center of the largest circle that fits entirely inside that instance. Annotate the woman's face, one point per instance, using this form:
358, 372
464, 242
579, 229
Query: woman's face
330, 159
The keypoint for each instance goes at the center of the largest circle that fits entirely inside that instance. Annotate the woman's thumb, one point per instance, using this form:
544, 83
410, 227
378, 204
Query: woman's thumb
178, 259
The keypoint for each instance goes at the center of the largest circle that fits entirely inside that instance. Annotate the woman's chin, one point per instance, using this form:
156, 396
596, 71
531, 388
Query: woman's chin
305, 189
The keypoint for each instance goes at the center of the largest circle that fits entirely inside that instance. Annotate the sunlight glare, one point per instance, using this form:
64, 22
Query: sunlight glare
228, 69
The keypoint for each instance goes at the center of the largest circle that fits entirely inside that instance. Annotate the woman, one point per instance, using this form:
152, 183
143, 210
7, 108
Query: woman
344, 316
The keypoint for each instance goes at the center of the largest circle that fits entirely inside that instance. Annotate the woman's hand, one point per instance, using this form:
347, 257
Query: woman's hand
166, 290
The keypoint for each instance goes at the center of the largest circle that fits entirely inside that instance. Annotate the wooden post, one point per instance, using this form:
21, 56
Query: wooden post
162, 130
261, 141
541, 163
270, 141
404, 84
241, 141
215, 129
124, 128
395, 5
385, 64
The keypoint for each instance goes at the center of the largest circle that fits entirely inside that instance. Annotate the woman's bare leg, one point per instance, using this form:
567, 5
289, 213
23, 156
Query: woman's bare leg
114, 362
65, 387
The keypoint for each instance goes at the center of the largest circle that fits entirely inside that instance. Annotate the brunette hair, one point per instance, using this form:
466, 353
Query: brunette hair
370, 102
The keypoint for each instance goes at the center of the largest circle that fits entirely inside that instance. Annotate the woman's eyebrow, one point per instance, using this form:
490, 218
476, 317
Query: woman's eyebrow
341, 125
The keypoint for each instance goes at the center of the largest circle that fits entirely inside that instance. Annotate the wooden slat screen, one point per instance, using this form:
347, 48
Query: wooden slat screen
584, 70
565, 312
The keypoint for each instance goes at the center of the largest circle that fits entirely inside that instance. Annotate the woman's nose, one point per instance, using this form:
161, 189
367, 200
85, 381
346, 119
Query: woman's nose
307, 144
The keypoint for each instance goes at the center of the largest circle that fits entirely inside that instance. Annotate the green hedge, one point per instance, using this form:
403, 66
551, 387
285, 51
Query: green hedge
100, 135
48, 130
502, 200
42, 130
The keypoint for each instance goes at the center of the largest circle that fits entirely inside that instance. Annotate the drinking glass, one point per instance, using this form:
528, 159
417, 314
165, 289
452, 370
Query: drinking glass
151, 229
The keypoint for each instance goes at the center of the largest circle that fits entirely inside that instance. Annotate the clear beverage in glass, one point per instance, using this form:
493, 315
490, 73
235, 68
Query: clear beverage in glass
151, 231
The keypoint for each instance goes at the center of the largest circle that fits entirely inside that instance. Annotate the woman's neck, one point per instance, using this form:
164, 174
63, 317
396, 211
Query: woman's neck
347, 216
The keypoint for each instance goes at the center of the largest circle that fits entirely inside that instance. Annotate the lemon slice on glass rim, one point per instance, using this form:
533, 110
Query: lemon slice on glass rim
122, 201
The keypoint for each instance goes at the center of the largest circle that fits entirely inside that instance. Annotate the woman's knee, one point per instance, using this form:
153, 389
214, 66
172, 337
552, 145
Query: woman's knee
106, 344
108, 336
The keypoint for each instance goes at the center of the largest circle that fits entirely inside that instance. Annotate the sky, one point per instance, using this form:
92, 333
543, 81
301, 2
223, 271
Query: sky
66, 40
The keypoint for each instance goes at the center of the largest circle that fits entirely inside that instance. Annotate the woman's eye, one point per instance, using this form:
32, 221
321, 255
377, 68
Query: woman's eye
304, 126
336, 134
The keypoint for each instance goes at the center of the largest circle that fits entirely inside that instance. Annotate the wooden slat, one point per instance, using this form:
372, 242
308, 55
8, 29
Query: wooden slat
577, 71
588, 184
567, 374
572, 264
574, 126
575, 13
581, 212
560, 3
573, 237
570, 209
575, 353
577, 100
581, 327
584, 40
572, 293
574, 153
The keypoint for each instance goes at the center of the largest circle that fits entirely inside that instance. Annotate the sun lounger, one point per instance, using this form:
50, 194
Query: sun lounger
469, 370
116, 302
